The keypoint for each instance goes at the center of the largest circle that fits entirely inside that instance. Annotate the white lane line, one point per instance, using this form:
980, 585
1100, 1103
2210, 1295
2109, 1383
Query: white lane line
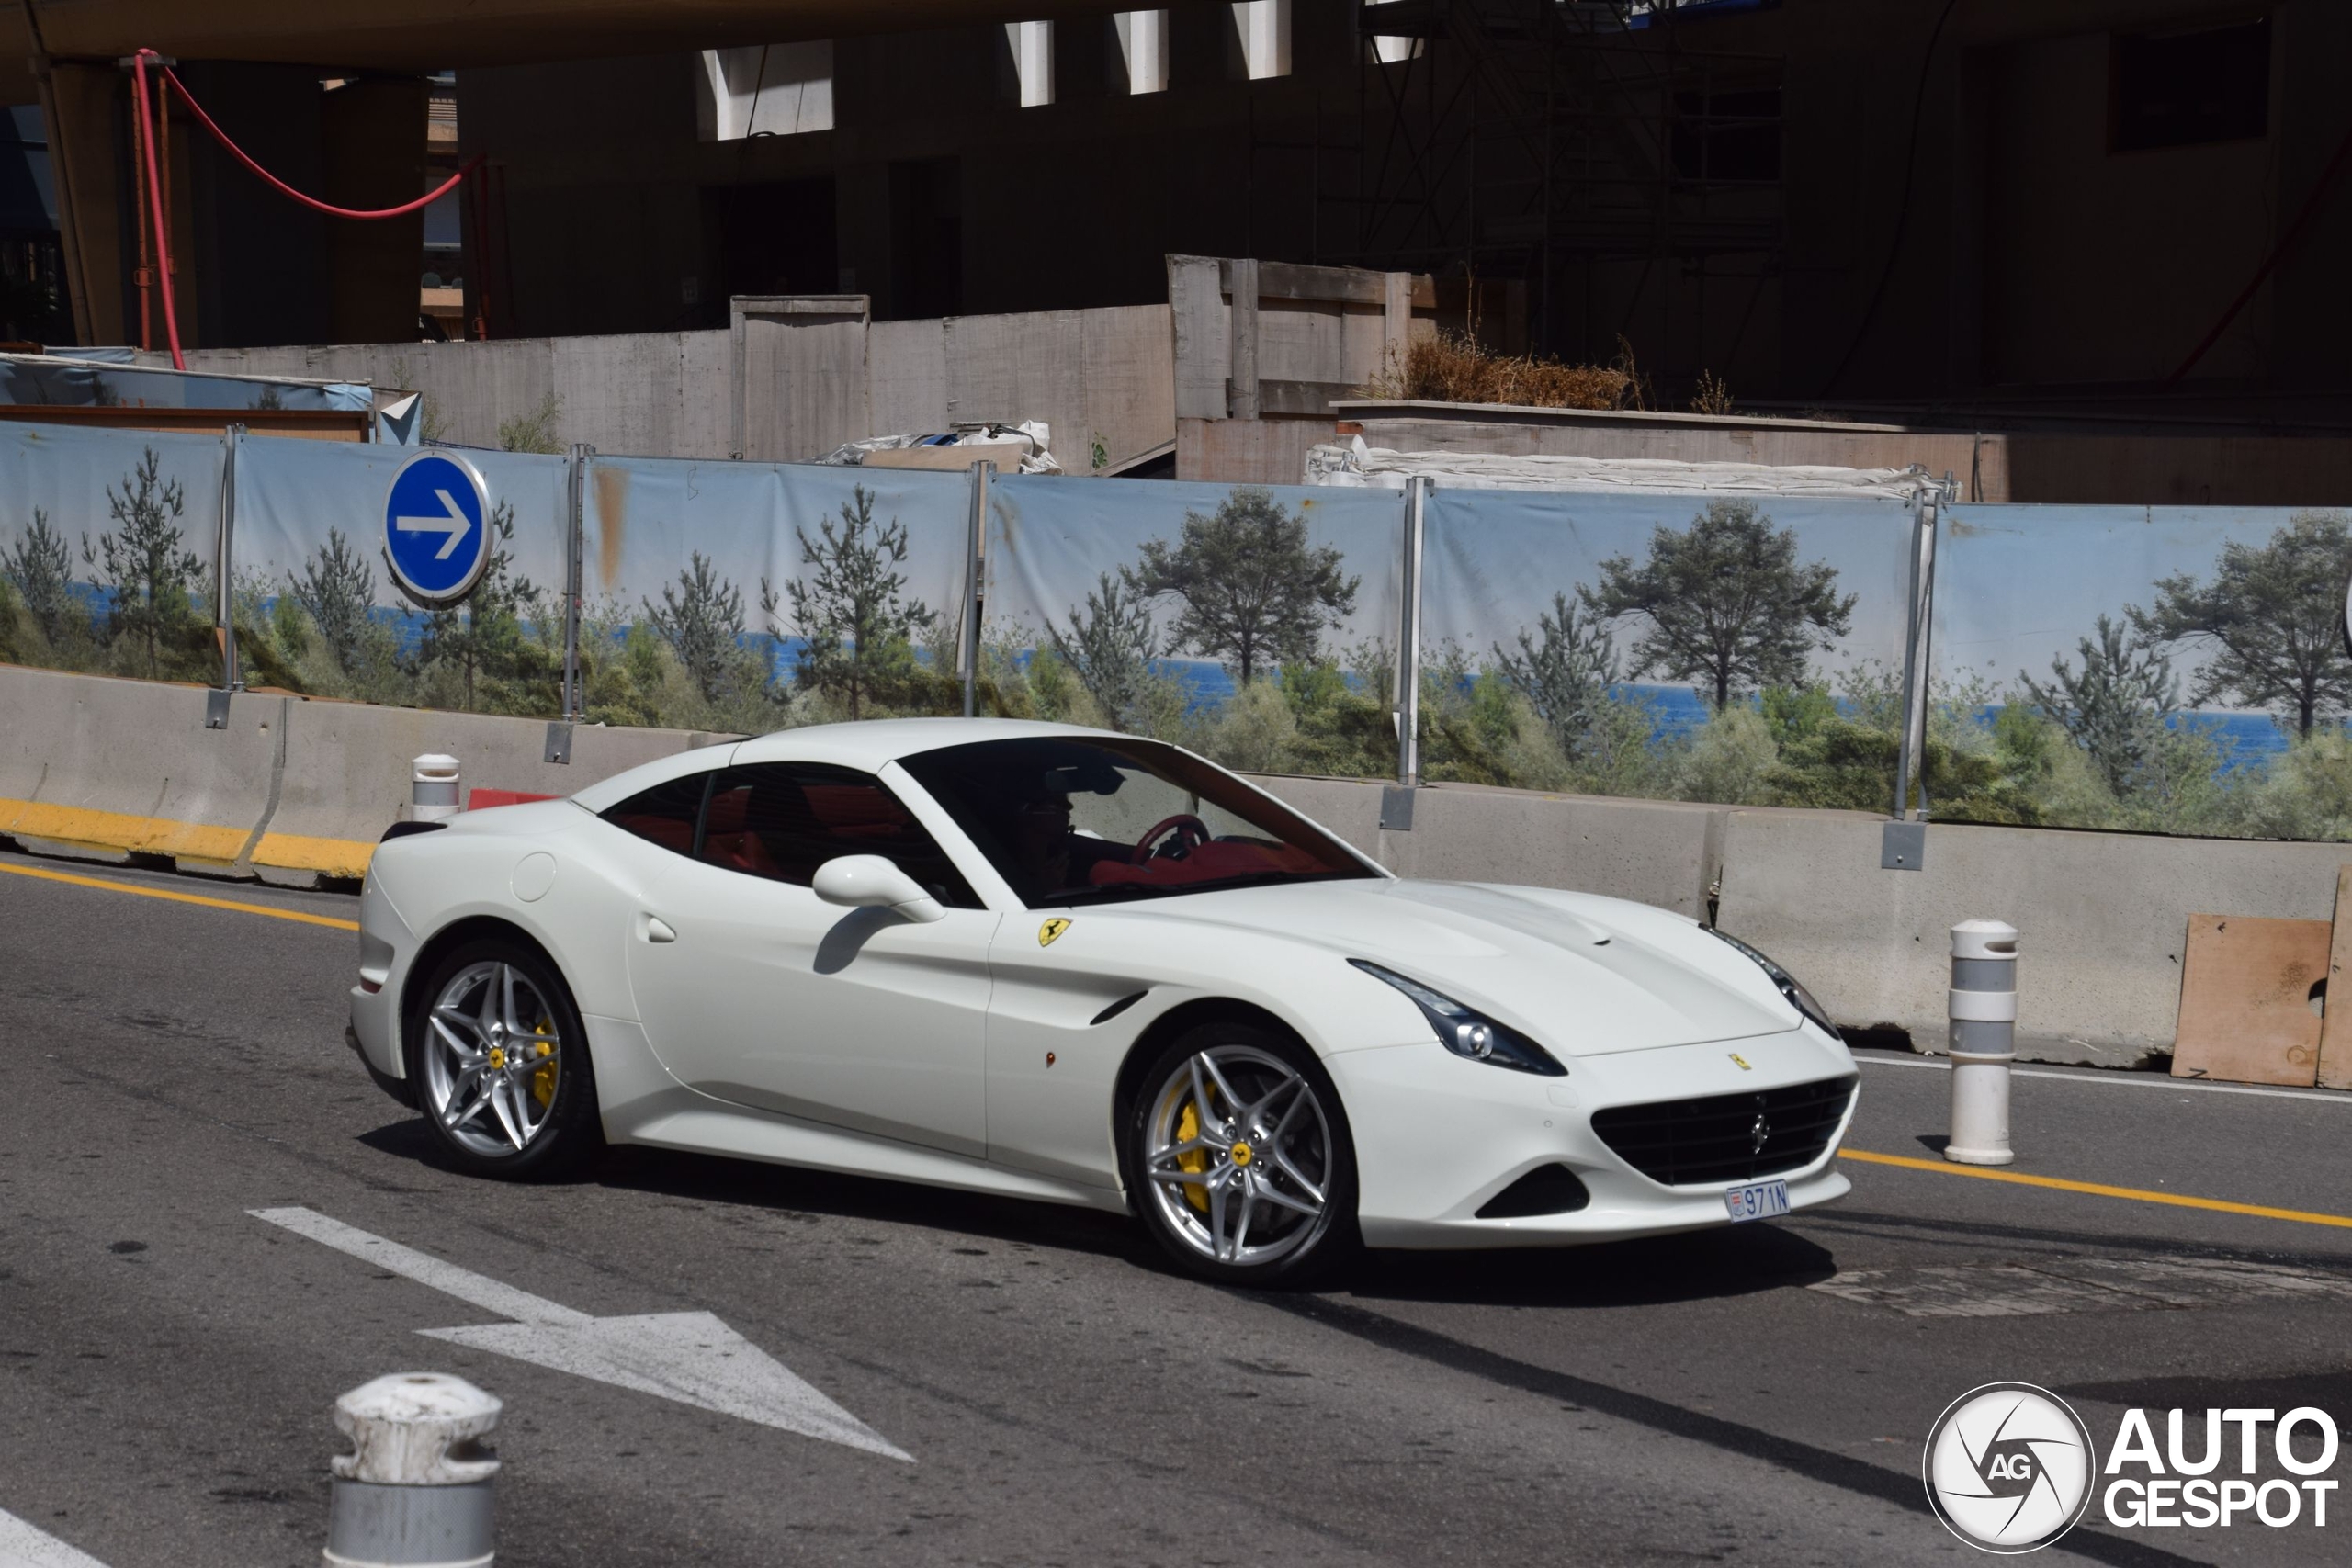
21, 1546
2135, 1080
503, 1301
690, 1357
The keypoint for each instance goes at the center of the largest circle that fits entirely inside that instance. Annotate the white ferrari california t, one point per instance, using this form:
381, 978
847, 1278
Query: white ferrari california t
1066, 965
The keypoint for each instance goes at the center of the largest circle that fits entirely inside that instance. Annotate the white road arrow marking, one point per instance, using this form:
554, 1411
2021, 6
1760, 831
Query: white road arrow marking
21, 1546
691, 1356
451, 528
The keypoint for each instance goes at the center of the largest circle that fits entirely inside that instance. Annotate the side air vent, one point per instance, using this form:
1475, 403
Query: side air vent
1546, 1189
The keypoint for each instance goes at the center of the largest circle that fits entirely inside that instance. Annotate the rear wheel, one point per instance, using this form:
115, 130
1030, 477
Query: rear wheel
500, 1062
1238, 1158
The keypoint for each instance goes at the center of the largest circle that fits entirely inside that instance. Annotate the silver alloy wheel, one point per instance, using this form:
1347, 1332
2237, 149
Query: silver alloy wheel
492, 1055
1237, 1156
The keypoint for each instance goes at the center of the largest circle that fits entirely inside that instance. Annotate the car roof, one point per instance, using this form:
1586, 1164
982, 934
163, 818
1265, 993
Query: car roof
870, 743
866, 746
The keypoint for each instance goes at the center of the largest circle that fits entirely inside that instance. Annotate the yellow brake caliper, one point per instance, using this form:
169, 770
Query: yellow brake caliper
543, 1080
1196, 1161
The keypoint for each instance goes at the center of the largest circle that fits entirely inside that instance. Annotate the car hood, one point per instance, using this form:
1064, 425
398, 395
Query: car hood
1584, 974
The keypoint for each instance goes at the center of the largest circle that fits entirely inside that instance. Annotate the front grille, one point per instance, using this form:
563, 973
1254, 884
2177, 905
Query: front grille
1714, 1141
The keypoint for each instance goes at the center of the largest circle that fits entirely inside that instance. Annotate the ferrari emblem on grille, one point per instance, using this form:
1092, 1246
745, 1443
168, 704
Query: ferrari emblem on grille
1759, 1132
1049, 931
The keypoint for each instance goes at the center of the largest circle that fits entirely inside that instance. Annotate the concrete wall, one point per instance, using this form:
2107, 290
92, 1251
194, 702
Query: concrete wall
814, 380
294, 790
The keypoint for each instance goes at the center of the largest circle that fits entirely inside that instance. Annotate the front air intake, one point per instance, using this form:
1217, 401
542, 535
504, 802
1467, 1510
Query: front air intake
1727, 1137
1546, 1189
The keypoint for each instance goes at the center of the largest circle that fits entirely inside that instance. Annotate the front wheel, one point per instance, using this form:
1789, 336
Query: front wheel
1238, 1158
499, 1059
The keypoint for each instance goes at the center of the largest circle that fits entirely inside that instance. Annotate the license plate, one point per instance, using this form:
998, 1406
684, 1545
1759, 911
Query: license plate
1760, 1201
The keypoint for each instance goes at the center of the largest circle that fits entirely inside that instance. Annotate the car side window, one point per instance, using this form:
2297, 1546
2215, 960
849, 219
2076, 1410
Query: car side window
781, 821
666, 814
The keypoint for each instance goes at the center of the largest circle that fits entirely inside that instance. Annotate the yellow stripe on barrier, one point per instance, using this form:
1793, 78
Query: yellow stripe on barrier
196, 843
2099, 1190
176, 897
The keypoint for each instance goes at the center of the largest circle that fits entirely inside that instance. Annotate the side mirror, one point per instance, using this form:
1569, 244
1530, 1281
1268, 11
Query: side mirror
860, 881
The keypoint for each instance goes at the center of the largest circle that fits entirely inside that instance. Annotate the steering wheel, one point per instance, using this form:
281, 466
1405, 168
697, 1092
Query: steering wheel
1189, 834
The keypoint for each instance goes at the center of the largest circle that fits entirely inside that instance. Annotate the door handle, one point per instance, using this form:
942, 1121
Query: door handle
658, 930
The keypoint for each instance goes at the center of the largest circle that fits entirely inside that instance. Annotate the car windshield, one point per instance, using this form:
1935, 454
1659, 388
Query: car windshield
1087, 822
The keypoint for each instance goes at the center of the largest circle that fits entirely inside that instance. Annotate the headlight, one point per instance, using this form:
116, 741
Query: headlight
1804, 1001
1469, 1033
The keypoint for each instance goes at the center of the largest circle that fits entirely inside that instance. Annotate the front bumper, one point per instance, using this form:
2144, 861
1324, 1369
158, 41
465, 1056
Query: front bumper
1437, 1136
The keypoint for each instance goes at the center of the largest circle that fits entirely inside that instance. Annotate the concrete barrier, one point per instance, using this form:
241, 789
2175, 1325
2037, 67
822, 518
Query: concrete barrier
297, 790
2107, 912
106, 769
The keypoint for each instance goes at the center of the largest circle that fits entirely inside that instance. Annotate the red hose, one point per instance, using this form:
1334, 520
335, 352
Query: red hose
162, 241
155, 200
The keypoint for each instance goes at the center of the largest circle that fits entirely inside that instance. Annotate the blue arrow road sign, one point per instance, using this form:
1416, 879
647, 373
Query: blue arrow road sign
434, 527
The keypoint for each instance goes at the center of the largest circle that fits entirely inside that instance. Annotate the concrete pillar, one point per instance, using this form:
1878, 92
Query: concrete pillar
372, 132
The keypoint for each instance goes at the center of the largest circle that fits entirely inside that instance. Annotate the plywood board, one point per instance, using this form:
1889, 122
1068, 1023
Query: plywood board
2245, 999
2335, 1028
1005, 455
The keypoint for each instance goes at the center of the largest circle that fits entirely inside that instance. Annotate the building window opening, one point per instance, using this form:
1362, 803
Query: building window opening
766, 89
2191, 86
1031, 45
1262, 29
1143, 48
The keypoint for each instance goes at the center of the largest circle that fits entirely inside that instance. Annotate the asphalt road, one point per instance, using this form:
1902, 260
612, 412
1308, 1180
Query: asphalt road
168, 1362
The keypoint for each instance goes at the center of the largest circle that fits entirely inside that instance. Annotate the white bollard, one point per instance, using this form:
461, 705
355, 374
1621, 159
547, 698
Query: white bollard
1984, 1007
432, 787
415, 1491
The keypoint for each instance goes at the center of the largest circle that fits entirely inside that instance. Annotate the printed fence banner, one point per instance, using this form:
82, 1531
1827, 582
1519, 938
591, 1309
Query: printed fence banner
1744, 648
1257, 625
109, 544
2169, 668
756, 596
318, 608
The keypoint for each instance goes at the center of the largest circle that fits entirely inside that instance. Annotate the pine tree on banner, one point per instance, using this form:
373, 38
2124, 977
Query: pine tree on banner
483, 639
2273, 617
151, 576
1109, 647
701, 617
857, 627
1728, 606
337, 588
41, 567
2115, 710
1255, 593
1566, 676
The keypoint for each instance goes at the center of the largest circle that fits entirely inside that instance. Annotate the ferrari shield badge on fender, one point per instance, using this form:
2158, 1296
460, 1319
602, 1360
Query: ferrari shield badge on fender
1050, 930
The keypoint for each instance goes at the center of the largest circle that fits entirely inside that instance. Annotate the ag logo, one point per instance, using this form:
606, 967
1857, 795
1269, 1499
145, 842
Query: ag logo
2009, 1467
1050, 930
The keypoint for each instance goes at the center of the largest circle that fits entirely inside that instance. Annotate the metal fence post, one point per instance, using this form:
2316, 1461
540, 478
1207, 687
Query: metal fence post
576, 498
224, 589
1409, 639
967, 641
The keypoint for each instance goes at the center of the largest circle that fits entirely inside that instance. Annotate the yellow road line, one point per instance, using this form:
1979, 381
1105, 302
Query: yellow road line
176, 898
2099, 1190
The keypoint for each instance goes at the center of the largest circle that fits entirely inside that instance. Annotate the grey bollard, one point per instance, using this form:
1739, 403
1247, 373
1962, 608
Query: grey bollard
416, 1490
1983, 1009
433, 788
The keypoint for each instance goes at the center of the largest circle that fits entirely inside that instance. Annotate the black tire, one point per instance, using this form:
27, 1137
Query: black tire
1311, 1153
568, 1131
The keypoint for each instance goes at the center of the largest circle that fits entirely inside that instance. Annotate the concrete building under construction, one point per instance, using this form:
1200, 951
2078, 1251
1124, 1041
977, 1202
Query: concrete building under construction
1825, 203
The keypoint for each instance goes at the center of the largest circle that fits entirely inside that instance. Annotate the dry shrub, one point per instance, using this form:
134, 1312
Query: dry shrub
1454, 367
1711, 396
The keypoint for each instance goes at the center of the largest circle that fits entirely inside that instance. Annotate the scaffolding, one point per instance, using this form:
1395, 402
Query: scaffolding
1557, 142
